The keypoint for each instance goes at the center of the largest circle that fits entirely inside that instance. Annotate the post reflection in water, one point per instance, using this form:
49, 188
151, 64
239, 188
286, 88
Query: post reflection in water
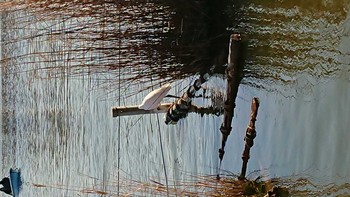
60, 65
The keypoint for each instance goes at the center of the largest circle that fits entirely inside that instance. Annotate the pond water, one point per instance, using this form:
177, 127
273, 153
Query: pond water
57, 124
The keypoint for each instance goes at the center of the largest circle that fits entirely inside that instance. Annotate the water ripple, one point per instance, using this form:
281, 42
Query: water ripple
285, 42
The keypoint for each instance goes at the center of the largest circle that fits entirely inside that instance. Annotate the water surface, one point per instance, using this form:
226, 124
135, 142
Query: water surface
58, 128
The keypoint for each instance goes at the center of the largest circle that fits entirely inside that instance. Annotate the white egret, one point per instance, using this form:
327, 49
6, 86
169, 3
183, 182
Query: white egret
153, 99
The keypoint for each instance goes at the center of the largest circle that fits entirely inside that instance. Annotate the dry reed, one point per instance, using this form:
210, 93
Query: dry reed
136, 39
228, 185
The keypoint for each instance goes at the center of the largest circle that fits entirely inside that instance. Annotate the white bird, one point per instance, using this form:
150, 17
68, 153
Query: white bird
153, 99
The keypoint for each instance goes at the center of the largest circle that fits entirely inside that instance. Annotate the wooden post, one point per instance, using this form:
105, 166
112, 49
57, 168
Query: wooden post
249, 136
134, 110
234, 73
162, 108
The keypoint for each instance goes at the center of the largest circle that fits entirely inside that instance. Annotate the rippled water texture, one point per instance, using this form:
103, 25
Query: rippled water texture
60, 76
295, 43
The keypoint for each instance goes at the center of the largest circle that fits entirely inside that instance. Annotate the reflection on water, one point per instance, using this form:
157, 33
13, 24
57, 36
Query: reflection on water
60, 73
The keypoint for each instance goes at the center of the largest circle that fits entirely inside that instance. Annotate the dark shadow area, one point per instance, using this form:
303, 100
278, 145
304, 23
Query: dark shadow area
200, 37
148, 42
182, 37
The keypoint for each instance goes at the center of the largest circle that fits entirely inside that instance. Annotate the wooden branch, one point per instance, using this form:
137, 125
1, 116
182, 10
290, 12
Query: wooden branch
134, 110
162, 108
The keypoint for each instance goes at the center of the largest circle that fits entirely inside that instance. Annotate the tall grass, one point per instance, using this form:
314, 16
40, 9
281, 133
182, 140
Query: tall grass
148, 41
228, 185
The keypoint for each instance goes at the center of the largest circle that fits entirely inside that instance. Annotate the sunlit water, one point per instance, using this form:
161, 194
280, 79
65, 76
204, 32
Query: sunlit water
60, 131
